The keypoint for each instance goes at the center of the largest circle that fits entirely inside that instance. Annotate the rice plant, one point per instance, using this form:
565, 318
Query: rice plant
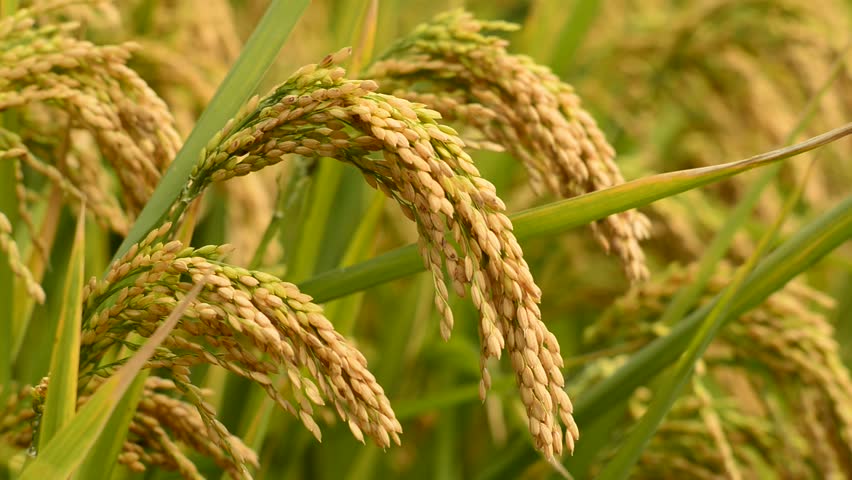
248, 239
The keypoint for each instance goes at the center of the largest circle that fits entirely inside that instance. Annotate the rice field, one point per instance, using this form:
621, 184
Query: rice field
454, 239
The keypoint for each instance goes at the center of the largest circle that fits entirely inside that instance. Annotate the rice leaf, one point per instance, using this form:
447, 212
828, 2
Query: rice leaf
37, 264
61, 402
8, 205
345, 310
258, 54
69, 447
99, 463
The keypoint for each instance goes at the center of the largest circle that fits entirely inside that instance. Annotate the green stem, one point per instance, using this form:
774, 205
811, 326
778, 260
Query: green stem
302, 263
286, 206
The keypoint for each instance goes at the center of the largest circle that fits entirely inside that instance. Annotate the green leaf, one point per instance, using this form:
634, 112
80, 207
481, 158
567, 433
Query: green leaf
292, 208
242, 80
449, 398
297, 181
61, 402
687, 296
791, 258
560, 216
37, 264
9, 206
102, 457
66, 451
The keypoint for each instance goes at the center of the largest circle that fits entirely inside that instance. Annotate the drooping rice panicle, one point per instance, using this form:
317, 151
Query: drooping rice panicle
423, 166
247, 322
457, 65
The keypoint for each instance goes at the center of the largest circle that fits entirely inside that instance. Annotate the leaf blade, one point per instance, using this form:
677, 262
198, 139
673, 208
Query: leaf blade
69, 447
61, 402
255, 59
